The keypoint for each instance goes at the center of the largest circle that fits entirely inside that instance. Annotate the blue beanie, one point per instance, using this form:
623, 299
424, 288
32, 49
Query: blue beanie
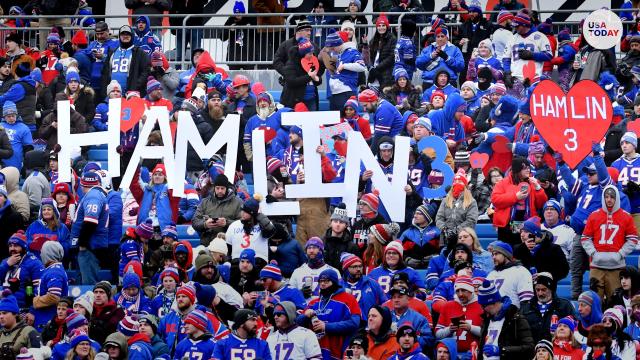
71, 76
329, 274
475, 6
564, 35
502, 247
205, 294
271, 271
532, 225
9, 303
553, 203
296, 130
9, 107
333, 40
19, 239
130, 280
524, 107
249, 255
238, 7
488, 293
400, 72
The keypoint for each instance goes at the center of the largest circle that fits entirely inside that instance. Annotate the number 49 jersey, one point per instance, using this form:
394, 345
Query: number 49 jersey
629, 171
297, 344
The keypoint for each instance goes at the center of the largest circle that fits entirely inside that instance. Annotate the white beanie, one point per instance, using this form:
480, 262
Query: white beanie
86, 301
113, 85
347, 25
218, 245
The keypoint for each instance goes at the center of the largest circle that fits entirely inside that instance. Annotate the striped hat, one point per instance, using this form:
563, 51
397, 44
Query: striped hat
488, 293
128, 326
271, 271
521, 19
504, 15
90, 179
145, 229
74, 321
384, 233
569, 322
400, 72
498, 88
464, 283
77, 337
273, 164
172, 272
424, 122
198, 319
348, 260
615, 314
153, 84
19, 239
396, 246
436, 22
187, 290
353, 103
545, 344
170, 231
586, 298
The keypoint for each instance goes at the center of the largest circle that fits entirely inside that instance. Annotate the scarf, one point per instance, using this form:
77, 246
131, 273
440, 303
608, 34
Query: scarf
317, 262
60, 332
134, 301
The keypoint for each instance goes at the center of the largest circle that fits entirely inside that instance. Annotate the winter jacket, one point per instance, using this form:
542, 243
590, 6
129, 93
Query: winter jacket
160, 194
296, 80
21, 335
289, 255
515, 340
382, 349
104, 320
19, 200
212, 207
23, 94
609, 250
593, 62
404, 101
20, 140
504, 198
382, 57
97, 64
140, 347
419, 244
475, 32
443, 121
367, 291
84, 103
453, 64
146, 39
545, 257
50, 133
457, 218
38, 233
281, 56
37, 187
138, 72
335, 246
541, 324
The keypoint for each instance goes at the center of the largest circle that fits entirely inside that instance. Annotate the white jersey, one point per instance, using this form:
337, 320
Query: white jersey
304, 272
499, 40
228, 294
514, 282
239, 241
563, 236
535, 42
297, 344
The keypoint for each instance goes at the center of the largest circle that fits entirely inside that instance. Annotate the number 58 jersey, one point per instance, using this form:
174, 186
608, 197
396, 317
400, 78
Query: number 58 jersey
629, 169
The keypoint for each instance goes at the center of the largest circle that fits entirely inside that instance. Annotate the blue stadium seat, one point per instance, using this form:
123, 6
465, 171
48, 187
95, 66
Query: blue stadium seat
98, 155
486, 231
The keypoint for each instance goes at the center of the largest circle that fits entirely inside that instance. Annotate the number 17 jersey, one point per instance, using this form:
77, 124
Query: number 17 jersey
296, 344
629, 169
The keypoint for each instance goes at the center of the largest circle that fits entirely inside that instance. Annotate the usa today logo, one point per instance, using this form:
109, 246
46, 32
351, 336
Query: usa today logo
602, 29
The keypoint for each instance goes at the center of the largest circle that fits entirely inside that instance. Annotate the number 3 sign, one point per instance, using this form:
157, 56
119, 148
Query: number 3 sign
571, 123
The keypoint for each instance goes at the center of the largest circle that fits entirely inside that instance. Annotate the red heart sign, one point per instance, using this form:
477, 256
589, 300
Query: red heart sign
500, 144
269, 133
310, 61
571, 123
529, 71
478, 160
131, 111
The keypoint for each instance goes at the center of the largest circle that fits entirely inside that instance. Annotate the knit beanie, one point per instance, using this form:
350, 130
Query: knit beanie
564, 35
129, 326
488, 293
72, 76
80, 38
340, 214
205, 294
8, 302
238, 7
113, 85
145, 229
305, 46
77, 337
400, 72
465, 283
18, 238
86, 301
569, 322
189, 291
74, 321
170, 231
105, 286
130, 280
545, 344
533, 226
545, 279
504, 15
631, 138
333, 40
395, 246
53, 38
371, 200
329, 274
315, 241
203, 260
251, 206
273, 164
382, 19
248, 255
502, 248
171, 272
198, 319
153, 84
348, 260
271, 271
9, 108
384, 233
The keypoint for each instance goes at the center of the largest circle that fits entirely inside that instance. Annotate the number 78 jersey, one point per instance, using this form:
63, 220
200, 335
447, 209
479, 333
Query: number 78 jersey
629, 171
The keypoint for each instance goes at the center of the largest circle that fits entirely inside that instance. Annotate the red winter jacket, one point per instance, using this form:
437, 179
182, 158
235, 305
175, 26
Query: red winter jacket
562, 350
504, 198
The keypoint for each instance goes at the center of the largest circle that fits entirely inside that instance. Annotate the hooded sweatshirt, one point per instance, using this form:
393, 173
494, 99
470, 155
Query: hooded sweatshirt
19, 137
19, 199
39, 232
304, 341
443, 121
620, 234
146, 39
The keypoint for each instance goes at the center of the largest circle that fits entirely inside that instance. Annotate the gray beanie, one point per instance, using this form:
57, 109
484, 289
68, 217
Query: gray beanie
51, 251
289, 310
340, 214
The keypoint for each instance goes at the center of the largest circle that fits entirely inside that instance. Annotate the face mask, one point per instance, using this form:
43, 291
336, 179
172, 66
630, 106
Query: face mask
457, 189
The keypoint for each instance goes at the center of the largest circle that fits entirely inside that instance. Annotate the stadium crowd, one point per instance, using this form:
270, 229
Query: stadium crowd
320, 285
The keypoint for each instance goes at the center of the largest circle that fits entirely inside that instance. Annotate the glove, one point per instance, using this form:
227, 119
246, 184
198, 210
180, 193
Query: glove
133, 212
508, 80
414, 263
231, 92
596, 148
443, 55
119, 149
215, 79
633, 187
270, 199
525, 54
558, 158
479, 138
144, 174
491, 350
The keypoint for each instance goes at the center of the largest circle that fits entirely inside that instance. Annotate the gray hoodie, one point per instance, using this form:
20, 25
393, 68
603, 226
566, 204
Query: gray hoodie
605, 255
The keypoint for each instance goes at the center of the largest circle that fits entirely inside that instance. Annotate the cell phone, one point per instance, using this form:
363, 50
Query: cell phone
214, 219
349, 353
524, 188
455, 321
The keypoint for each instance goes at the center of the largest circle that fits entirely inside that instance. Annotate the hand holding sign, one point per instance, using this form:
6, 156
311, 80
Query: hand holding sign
570, 123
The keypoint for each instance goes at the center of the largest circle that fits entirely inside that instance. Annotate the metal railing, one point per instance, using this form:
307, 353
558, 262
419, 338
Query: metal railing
251, 46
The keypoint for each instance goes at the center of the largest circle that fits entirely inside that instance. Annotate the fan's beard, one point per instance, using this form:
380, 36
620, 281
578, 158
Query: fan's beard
216, 112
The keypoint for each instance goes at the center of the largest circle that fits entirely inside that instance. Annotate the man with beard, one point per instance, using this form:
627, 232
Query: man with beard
366, 291
276, 289
106, 314
252, 230
214, 114
292, 155
244, 276
215, 212
207, 273
20, 269
386, 119
154, 95
512, 279
631, 59
127, 64
305, 278
267, 118
290, 338
242, 343
334, 316
407, 338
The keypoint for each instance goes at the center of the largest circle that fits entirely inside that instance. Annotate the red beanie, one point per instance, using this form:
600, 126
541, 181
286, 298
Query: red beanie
382, 19
80, 38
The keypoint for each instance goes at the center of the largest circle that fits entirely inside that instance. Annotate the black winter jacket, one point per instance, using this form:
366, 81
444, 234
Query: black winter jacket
138, 72
515, 340
334, 246
548, 258
383, 72
541, 325
296, 80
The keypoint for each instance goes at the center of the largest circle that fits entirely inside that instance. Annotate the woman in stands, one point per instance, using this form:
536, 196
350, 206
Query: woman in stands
629, 286
615, 321
565, 345
457, 211
48, 228
481, 257
155, 199
482, 192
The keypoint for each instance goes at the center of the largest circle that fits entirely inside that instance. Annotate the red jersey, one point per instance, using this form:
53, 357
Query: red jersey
609, 233
49, 71
472, 314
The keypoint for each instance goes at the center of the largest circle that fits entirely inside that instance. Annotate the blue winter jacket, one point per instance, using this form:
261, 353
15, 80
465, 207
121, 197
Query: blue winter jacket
163, 205
443, 120
146, 39
387, 121
115, 217
39, 228
19, 137
97, 64
453, 65
29, 271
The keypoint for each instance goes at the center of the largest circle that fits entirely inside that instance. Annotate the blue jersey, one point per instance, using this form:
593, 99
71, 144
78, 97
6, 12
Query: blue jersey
292, 162
120, 63
93, 208
192, 349
368, 293
387, 120
629, 171
235, 348
383, 276
171, 328
405, 54
96, 47
272, 122
54, 281
114, 229
28, 271
418, 176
